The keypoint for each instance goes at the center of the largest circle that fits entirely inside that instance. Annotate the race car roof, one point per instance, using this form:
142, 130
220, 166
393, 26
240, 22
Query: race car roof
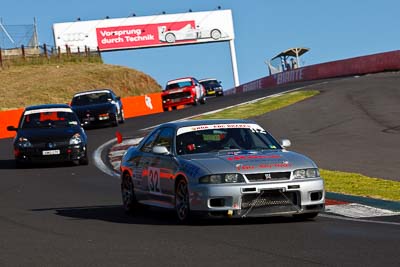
93, 92
186, 123
47, 106
179, 80
207, 79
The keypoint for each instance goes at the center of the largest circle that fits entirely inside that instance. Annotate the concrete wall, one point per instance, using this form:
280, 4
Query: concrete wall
353, 66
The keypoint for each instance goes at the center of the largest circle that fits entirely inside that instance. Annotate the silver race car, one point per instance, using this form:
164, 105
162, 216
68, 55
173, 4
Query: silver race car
226, 168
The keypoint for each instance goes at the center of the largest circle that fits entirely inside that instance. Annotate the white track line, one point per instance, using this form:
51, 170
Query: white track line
99, 162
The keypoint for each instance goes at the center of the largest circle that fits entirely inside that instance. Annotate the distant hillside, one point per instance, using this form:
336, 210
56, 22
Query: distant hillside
22, 86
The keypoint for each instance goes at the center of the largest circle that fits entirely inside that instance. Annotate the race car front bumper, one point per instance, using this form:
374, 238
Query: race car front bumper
259, 200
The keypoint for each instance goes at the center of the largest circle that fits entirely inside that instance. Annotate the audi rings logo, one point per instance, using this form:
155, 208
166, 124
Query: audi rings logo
73, 37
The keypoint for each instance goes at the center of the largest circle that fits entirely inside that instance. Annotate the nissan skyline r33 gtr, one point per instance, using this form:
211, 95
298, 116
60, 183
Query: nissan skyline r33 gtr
224, 168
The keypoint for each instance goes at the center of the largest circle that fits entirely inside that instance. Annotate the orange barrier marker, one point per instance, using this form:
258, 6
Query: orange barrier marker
119, 137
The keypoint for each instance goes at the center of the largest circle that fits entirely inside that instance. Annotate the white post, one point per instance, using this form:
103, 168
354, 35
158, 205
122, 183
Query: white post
234, 63
297, 57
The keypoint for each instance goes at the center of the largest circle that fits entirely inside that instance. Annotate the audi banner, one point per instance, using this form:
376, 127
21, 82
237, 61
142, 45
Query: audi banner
143, 32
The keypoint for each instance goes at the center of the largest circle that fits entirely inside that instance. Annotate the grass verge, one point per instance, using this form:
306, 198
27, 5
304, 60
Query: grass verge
262, 106
335, 181
359, 185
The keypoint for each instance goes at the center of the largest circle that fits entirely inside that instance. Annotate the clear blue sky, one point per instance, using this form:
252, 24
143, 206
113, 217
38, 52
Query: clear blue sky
333, 30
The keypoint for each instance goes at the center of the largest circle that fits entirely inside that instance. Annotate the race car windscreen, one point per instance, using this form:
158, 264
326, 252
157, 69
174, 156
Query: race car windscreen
89, 99
178, 85
211, 83
214, 140
49, 119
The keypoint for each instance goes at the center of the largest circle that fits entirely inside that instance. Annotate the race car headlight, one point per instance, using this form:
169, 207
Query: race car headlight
76, 139
225, 178
306, 173
24, 142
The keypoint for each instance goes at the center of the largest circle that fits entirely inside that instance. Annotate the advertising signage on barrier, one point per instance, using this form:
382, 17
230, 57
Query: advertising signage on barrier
143, 32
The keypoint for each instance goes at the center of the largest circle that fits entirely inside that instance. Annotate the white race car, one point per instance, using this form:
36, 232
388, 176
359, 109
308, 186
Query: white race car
225, 168
187, 33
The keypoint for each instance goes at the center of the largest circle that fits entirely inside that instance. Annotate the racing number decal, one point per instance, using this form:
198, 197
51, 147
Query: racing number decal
258, 130
153, 178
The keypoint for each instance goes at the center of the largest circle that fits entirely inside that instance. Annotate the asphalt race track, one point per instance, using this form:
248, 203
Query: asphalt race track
353, 125
61, 215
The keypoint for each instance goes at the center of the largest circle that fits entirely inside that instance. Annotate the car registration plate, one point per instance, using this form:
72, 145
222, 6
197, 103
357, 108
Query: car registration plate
51, 152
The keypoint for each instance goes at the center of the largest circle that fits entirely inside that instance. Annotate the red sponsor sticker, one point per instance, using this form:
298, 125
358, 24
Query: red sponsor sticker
247, 157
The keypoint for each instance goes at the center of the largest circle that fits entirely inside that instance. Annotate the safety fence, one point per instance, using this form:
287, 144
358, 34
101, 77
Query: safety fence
44, 54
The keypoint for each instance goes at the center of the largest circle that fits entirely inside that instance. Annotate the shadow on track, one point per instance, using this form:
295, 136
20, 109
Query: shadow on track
7, 164
10, 164
154, 216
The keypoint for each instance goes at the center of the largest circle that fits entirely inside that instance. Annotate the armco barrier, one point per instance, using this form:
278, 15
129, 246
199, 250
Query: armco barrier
388, 61
133, 106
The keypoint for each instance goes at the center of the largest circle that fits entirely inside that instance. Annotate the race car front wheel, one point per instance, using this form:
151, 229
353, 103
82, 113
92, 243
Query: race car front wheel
115, 120
84, 160
182, 205
128, 195
121, 116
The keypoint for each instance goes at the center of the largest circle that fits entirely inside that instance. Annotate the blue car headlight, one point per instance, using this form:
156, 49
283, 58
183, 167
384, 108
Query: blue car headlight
76, 139
225, 178
23, 142
306, 173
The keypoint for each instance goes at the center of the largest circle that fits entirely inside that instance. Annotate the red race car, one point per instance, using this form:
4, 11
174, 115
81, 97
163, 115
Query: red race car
183, 91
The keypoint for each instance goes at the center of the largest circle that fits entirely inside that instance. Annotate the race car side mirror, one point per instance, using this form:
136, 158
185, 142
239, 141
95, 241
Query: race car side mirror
12, 128
160, 150
285, 143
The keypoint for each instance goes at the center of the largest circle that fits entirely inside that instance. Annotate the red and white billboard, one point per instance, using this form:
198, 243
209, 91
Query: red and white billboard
148, 31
